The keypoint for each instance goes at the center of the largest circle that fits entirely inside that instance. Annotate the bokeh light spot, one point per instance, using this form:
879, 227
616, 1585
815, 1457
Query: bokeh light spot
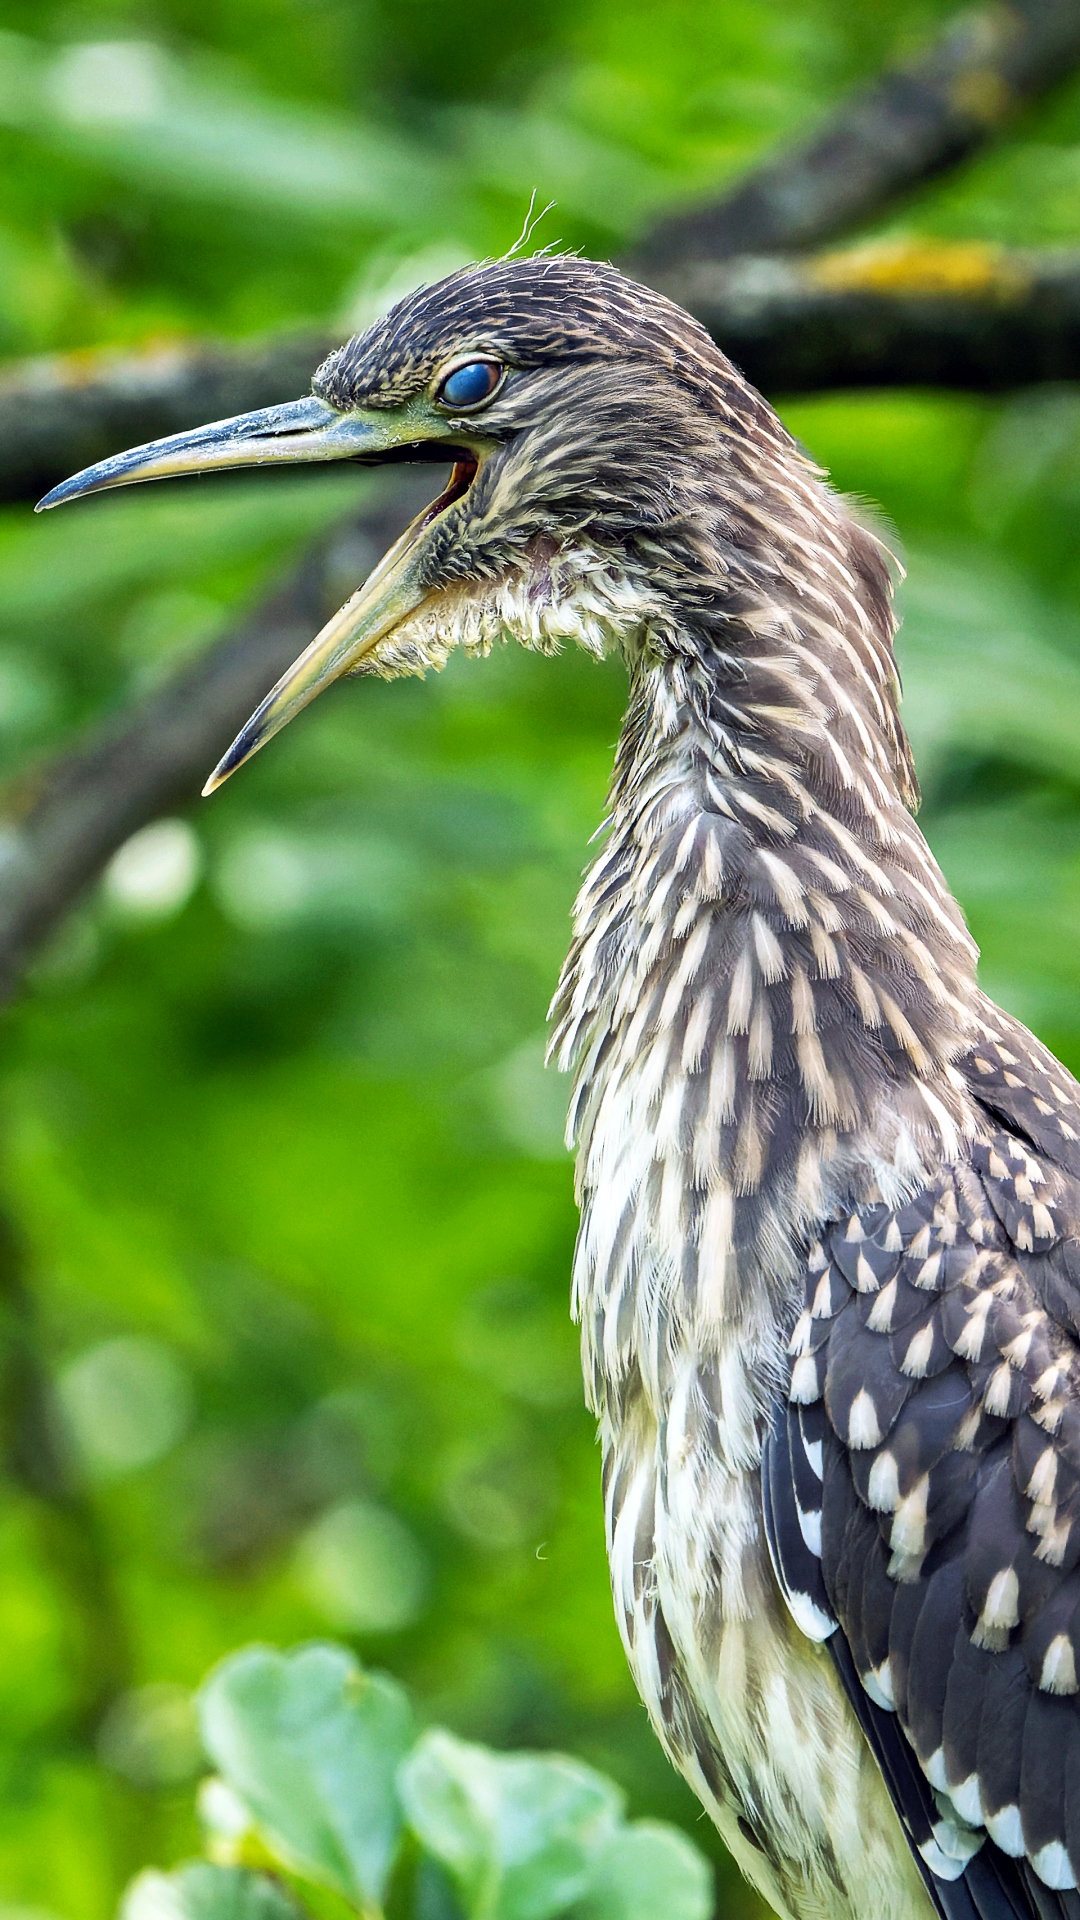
154, 873
361, 1568
126, 1402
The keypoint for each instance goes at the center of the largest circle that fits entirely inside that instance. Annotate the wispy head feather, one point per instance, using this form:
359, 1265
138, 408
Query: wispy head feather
529, 228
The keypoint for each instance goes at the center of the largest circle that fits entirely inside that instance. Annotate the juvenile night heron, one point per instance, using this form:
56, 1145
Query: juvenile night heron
828, 1273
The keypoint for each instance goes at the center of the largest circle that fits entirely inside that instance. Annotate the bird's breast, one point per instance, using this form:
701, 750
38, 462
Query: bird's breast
684, 1350
749, 1710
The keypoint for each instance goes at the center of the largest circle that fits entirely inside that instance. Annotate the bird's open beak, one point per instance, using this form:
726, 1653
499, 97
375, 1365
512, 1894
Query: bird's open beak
303, 430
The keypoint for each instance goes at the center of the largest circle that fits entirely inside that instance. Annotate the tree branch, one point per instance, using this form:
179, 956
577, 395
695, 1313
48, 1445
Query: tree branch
155, 756
952, 314
909, 314
68, 410
918, 118
965, 315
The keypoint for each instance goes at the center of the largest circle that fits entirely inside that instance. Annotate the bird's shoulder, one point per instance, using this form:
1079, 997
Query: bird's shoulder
922, 1489
1019, 1083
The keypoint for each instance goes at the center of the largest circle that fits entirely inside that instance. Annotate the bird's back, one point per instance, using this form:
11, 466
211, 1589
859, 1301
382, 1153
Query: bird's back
921, 1490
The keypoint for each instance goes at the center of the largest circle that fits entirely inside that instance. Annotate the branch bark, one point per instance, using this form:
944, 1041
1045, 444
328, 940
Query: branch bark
923, 313
66, 411
918, 118
64, 826
954, 315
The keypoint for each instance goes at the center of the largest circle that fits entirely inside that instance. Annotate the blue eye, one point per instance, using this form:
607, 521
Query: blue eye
469, 385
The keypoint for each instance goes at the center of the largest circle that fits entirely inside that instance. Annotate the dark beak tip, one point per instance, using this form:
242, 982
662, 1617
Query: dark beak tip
74, 488
224, 768
247, 742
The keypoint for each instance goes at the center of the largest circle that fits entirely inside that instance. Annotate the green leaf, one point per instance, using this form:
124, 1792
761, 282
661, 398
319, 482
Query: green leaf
645, 1870
517, 1832
311, 1744
203, 1892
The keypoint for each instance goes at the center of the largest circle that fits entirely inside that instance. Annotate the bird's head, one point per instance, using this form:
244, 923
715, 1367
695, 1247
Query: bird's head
584, 418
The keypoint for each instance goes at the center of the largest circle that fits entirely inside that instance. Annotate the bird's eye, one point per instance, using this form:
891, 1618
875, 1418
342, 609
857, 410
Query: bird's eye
470, 385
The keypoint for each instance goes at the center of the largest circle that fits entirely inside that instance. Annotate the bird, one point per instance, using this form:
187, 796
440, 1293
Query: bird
827, 1276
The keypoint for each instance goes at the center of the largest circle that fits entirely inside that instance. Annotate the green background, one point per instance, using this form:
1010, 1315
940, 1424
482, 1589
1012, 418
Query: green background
294, 1222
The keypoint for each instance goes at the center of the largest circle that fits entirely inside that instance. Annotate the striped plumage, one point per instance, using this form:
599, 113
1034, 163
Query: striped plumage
828, 1274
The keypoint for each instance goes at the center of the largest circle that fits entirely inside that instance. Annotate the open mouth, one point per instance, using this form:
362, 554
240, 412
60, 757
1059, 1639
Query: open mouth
464, 468
302, 431
462, 475
390, 595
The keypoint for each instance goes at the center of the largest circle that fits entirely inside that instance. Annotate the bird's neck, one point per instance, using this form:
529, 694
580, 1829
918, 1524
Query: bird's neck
768, 987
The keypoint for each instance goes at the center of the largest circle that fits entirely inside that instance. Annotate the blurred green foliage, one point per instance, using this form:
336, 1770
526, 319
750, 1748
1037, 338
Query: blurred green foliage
295, 1221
